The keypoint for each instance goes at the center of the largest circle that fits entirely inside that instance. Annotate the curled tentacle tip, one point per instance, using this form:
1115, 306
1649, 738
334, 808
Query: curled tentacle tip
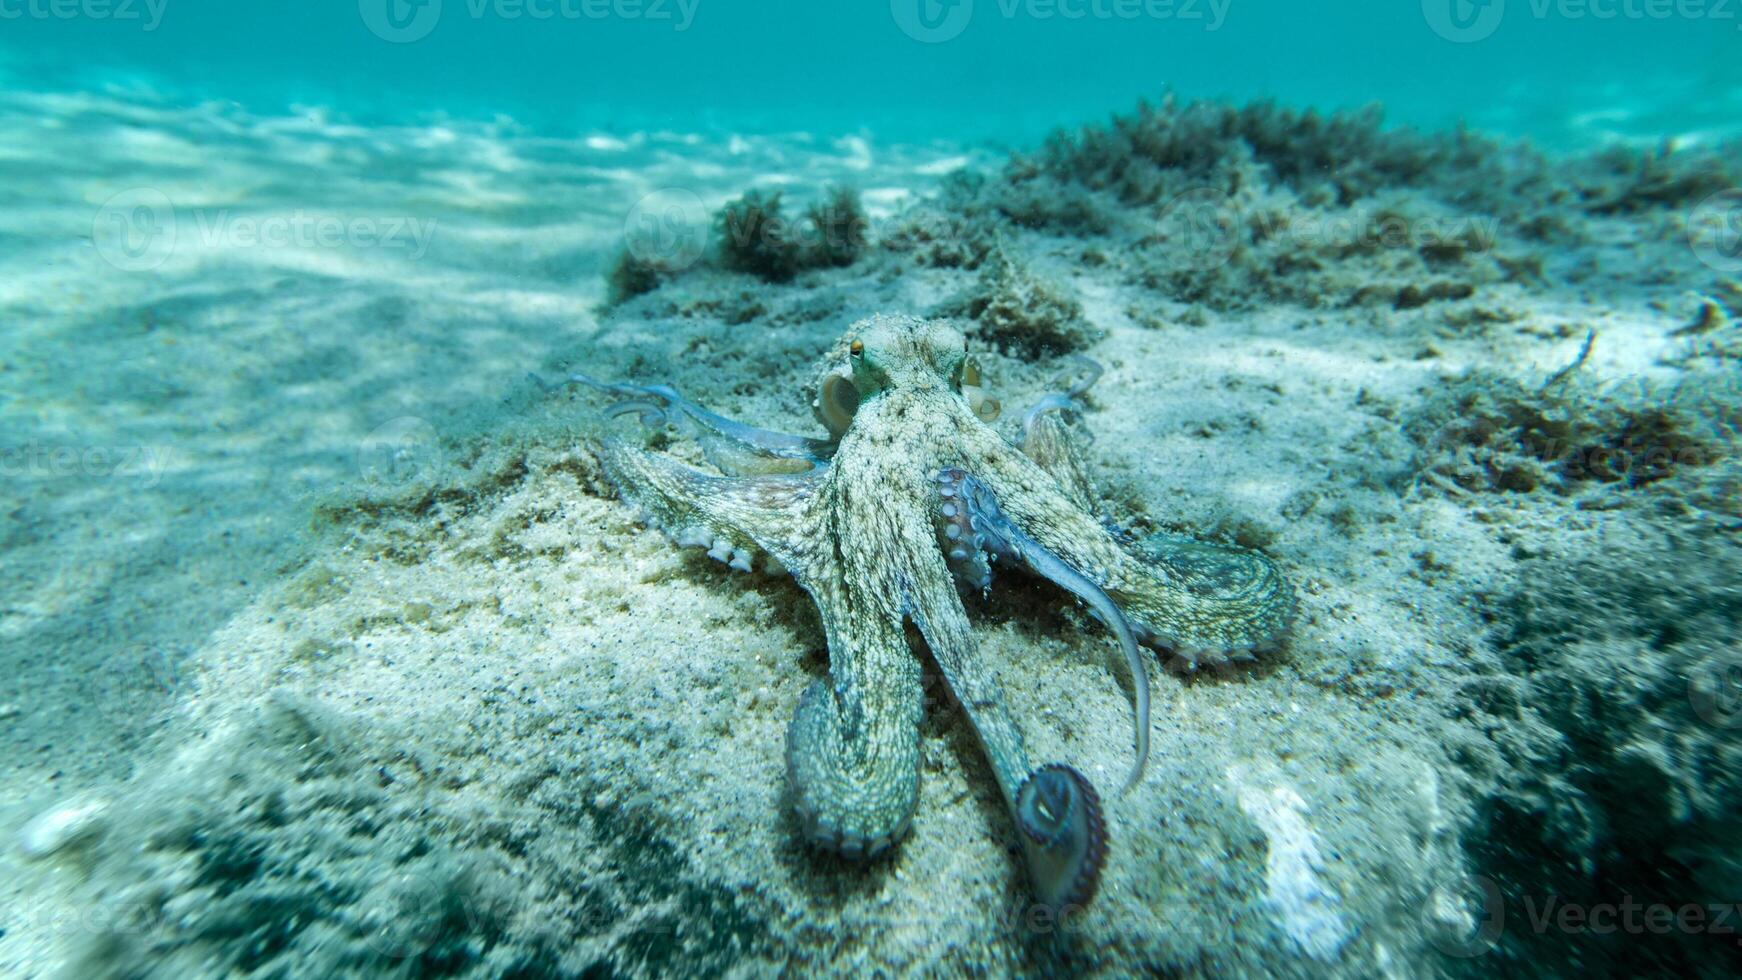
1080, 376
649, 413
1063, 834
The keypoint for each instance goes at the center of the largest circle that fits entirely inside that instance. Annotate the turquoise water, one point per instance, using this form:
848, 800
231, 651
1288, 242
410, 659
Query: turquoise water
1565, 72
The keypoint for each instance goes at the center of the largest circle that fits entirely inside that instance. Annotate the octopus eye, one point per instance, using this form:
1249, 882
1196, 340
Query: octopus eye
857, 348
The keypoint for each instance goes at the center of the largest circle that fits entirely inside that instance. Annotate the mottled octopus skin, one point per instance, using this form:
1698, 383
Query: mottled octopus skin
859, 533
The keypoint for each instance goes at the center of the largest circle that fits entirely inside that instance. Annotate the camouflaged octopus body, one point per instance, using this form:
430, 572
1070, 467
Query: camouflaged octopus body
915, 493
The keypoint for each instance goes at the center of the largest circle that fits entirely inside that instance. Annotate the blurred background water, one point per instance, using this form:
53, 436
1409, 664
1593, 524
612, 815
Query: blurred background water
1564, 72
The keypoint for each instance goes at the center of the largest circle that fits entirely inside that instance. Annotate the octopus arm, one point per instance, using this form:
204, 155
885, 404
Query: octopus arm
1047, 439
1204, 601
1200, 601
732, 517
731, 445
993, 530
852, 748
938, 614
1056, 808
1196, 599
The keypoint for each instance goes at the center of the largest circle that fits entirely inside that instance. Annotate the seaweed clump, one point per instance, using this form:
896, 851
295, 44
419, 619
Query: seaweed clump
1160, 150
1484, 433
757, 237
1623, 180
840, 229
632, 276
954, 231
941, 239
1019, 313
1240, 251
1615, 711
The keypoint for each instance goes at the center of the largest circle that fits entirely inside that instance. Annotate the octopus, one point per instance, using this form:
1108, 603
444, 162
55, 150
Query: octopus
911, 501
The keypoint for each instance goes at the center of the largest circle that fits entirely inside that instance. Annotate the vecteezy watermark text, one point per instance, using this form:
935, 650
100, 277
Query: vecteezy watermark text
1468, 917
1469, 21
1724, 10
1212, 14
1632, 917
682, 13
405, 21
139, 230
37, 461
148, 14
936, 21
300, 229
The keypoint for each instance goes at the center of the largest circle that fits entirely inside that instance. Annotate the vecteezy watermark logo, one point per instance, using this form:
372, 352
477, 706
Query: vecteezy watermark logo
147, 13
402, 917
399, 452
1715, 231
1205, 227
936, 21
135, 230
932, 21
134, 677
1468, 21
1715, 691
405, 21
1465, 918
1464, 21
667, 228
400, 21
